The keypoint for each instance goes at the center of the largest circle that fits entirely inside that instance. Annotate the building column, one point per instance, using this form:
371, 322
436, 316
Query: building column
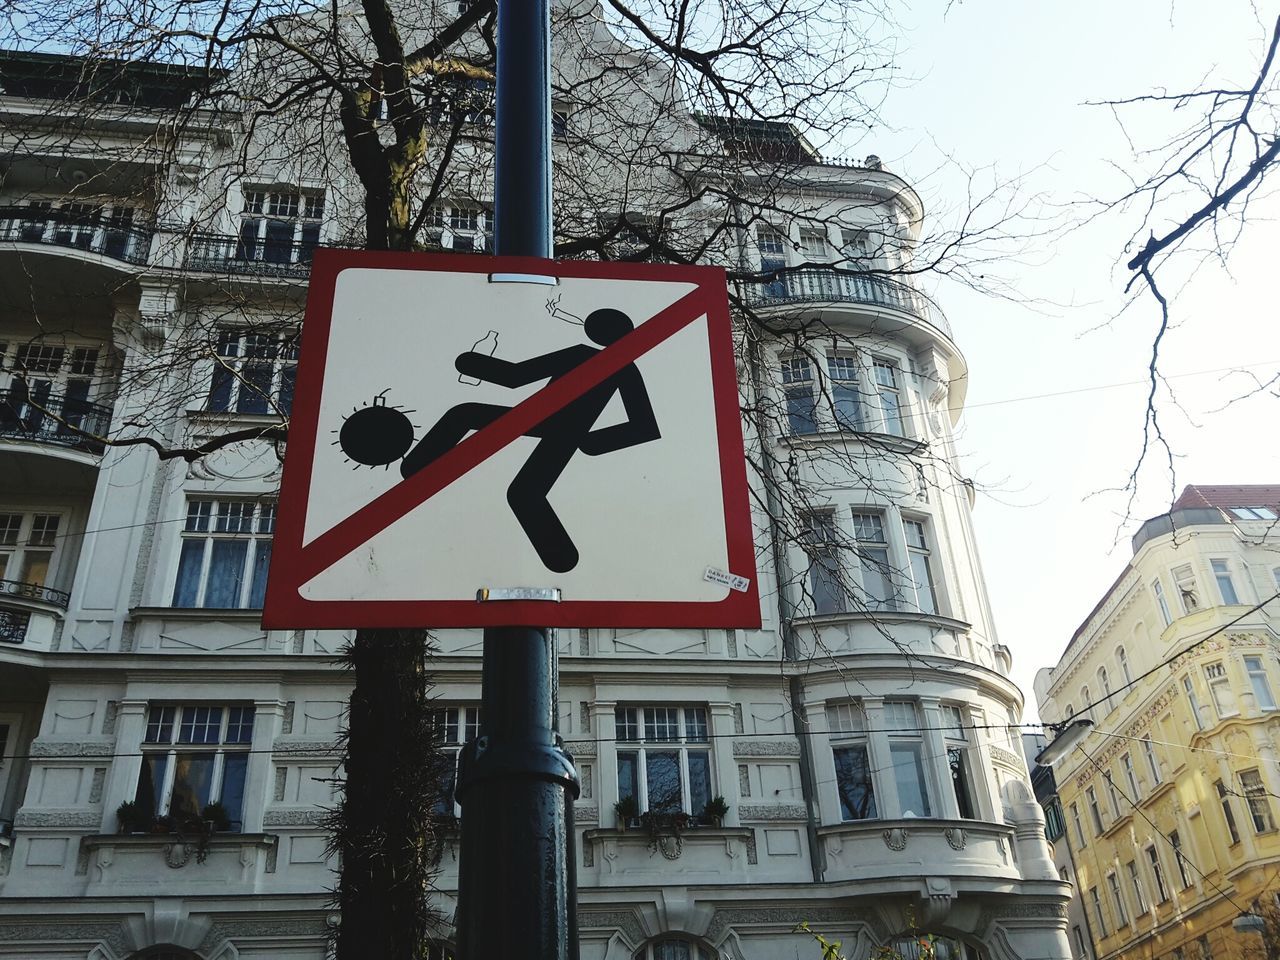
267, 715
886, 787
721, 724
605, 786
122, 779
986, 791
935, 745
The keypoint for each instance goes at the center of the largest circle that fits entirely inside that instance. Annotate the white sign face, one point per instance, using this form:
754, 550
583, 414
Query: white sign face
455, 430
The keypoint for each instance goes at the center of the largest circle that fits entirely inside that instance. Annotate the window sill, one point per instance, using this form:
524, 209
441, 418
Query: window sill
886, 441
250, 614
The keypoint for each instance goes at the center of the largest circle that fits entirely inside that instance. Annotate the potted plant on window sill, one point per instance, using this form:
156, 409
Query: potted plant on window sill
626, 810
715, 811
131, 818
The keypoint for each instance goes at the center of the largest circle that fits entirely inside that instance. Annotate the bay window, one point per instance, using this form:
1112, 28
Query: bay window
226, 549
799, 395
463, 228
1224, 700
254, 372
664, 758
1157, 590
193, 756
873, 558
1185, 580
846, 401
1258, 681
821, 545
958, 761
855, 788
1255, 798
886, 378
28, 545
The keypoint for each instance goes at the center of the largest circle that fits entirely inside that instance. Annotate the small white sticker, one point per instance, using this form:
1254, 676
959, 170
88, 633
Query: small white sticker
732, 581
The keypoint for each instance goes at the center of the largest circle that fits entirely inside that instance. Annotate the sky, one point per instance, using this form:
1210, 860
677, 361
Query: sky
1053, 418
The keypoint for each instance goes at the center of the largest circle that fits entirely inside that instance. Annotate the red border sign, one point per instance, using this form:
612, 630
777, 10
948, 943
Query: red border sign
293, 564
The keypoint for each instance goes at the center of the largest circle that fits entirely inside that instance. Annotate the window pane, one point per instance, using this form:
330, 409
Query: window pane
628, 776
239, 725
625, 724
234, 766
908, 774
661, 723
226, 573
220, 389
923, 578
853, 783
193, 775
187, 591
695, 725
261, 561
288, 377
875, 576
279, 244
960, 780
150, 783
159, 725
699, 781
200, 725
255, 388
662, 775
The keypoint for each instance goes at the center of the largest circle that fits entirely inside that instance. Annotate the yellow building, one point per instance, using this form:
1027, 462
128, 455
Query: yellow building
1171, 801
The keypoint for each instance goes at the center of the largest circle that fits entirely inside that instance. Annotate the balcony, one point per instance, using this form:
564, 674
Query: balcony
54, 419
119, 240
29, 621
839, 286
273, 257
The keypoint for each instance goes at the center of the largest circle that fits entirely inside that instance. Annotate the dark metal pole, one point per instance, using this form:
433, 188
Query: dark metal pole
516, 883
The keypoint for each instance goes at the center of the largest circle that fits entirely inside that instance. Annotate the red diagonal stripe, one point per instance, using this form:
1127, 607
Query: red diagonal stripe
371, 519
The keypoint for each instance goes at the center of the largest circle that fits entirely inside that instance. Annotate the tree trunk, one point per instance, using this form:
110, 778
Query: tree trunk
385, 830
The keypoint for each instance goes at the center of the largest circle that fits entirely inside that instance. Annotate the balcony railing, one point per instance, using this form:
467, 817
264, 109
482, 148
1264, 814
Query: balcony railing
272, 257
120, 240
34, 591
817, 285
53, 419
13, 625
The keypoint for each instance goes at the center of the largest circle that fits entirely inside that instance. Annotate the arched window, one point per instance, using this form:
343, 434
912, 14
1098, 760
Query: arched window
674, 948
165, 953
1104, 682
1085, 700
1071, 710
1123, 659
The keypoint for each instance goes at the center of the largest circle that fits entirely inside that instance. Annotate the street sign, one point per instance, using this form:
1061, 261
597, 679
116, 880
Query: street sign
469, 423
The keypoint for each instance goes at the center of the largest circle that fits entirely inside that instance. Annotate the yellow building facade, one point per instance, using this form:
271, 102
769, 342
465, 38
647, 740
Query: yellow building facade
1171, 802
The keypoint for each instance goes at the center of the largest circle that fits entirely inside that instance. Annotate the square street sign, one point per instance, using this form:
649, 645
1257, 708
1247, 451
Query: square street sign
464, 423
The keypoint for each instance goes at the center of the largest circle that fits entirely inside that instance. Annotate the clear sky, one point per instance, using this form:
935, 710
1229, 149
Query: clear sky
1003, 83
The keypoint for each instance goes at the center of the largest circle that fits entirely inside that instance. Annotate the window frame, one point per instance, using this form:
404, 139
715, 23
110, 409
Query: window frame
1221, 693
920, 552
234, 390
15, 558
1193, 700
1095, 810
1257, 803
847, 732
262, 207
1220, 568
460, 724
199, 526
1139, 891
1162, 602
1157, 873
1228, 815
1153, 761
1117, 897
688, 742
908, 738
1179, 858
1259, 683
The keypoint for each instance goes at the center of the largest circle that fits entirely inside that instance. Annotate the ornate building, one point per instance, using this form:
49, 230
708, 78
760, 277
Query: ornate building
1169, 803
863, 740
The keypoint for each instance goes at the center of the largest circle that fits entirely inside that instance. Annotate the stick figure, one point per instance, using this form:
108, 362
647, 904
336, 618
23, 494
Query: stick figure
561, 435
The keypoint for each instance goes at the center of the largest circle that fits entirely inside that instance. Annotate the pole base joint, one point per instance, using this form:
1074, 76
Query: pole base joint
481, 759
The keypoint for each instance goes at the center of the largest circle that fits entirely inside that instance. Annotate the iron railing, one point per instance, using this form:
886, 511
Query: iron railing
53, 419
13, 625
35, 591
272, 257
118, 239
817, 285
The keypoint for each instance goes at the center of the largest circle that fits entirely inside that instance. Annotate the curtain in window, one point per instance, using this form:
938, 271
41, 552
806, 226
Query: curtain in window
226, 573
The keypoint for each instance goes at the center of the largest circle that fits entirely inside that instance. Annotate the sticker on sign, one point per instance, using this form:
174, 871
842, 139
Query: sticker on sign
452, 434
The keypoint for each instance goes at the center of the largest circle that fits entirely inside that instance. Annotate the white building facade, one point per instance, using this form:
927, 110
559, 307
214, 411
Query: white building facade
864, 739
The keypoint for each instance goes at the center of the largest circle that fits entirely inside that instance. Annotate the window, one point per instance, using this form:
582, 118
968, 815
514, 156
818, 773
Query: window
906, 757
846, 724
673, 949
1086, 706
1179, 859
1258, 680
1157, 872
280, 226
254, 372
846, 401
455, 726
60, 377
193, 756
1253, 513
1184, 579
1094, 810
1081, 949
226, 548
773, 256
873, 558
1222, 574
799, 396
856, 245
1104, 682
820, 542
1188, 685
1157, 591
813, 245
1130, 776
1117, 809
1097, 911
1224, 701
1203, 944
1255, 797
1071, 710
1054, 828
463, 228
28, 545
1117, 897
1153, 762
1075, 819
560, 124
1123, 659
958, 761
1139, 891
1228, 814
918, 553
664, 761
461, 100
886, 374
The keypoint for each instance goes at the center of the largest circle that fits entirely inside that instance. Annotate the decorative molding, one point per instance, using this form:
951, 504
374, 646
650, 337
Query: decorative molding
788, 747
1033, 910
581, 748
309, 817
101, 748
96, 785
1007, 757
66, 933
248, 929
753, 855
956, 837
286, 718
586, 814
624, 921
895, 838
330, 749
109, 717
771, 811
58, 818
725, 919
1124, 740
177, 855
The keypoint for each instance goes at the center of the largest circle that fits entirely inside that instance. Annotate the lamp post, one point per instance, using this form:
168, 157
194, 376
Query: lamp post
1253, 923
